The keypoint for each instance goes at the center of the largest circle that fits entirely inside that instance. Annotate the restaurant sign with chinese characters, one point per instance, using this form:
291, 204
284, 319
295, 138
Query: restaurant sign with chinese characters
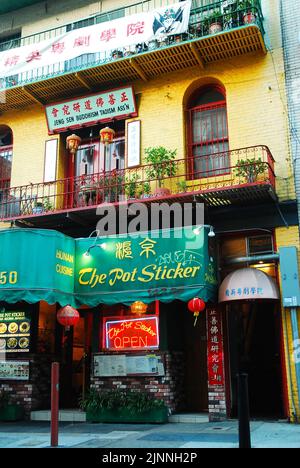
100, 107
166, 265
41, 264
215, 355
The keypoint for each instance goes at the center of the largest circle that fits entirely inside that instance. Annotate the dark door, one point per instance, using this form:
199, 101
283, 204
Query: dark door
75, 361
196, 363
254, 348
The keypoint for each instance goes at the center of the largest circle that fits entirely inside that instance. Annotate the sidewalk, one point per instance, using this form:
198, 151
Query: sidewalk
171, 435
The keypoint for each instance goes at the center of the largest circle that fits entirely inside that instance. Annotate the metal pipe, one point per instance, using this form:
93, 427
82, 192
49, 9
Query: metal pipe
252, 259
295, 334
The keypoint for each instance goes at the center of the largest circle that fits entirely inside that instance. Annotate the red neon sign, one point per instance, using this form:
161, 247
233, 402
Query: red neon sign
131, 334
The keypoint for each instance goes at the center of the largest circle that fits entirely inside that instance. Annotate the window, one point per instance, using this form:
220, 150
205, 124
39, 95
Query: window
115, 156
208, 133
260, 245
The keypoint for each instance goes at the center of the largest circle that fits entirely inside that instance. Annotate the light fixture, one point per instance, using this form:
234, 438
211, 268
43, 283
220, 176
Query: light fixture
261, 262
102, 246
138, 307
196, 231
73, 141
107, 135
211, 232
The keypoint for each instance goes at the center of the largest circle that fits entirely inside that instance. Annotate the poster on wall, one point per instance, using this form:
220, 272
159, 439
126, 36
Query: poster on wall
14, 370
111, 365
15, 330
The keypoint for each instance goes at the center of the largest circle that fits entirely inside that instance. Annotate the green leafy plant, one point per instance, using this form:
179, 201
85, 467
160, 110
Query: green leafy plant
133, 187
162, 163
112, 186
182, 185
244, 4
250, 168
117, 399
47, 204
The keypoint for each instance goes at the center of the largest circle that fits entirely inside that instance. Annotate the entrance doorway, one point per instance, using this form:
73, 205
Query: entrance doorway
254, 348
75, 361
196, 364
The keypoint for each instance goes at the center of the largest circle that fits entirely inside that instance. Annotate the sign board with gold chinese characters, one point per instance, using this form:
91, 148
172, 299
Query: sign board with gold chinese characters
14, 370
100, 107
40, 264
14, 332
165, 265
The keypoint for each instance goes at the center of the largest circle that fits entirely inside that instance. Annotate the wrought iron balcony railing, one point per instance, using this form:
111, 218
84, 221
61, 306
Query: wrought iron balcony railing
219, 179
205, 20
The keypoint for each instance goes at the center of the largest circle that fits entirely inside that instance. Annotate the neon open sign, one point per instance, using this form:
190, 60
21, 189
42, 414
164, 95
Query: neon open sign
131, 334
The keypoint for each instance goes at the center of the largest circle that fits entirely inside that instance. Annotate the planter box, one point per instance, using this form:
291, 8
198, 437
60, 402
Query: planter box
11, 413
123, 415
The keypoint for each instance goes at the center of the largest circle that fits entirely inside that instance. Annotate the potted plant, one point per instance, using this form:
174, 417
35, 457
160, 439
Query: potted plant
246, 9
113, 406
9, 411
214, 22
133, 187
182, 186
146, 190
113, 186
161, 164
249, 169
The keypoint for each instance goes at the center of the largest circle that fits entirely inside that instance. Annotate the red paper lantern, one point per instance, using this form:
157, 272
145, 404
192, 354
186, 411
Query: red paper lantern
68, 316
107, 135
196, 306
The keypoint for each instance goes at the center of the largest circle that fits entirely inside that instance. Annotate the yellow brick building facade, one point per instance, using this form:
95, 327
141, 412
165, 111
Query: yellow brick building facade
256, 113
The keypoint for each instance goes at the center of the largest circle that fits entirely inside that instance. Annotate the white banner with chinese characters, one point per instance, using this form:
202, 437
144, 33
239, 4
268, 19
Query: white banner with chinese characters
97, 39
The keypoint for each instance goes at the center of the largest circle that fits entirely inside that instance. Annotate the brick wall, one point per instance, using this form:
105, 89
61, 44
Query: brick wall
33, 393
291, 43
169, 387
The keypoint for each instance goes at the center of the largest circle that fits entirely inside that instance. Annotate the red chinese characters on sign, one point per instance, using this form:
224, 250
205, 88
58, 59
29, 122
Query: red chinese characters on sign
108, 34
35, 55
136, 28
82, 41
131, 334
11, 61
58, 47
215, 355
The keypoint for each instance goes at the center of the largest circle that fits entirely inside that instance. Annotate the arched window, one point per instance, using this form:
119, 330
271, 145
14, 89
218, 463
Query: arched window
208, 133
6, 152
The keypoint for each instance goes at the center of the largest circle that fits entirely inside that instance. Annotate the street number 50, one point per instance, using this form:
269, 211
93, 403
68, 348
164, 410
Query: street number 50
10, 277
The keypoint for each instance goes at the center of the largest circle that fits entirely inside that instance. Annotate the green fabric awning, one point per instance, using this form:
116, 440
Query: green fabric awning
37, 264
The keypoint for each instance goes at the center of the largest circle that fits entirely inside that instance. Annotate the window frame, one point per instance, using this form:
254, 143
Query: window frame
191, 111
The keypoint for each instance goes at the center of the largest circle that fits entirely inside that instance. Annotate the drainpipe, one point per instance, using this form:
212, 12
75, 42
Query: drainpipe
295, 334
288, 362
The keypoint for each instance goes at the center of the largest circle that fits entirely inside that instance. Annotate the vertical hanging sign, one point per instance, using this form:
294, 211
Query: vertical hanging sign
215, 354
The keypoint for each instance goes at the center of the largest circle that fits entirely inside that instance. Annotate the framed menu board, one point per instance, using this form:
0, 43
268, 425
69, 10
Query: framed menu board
110, 365
15, 328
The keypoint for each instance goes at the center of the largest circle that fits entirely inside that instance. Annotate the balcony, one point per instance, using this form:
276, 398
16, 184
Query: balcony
234, 32
237, 177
